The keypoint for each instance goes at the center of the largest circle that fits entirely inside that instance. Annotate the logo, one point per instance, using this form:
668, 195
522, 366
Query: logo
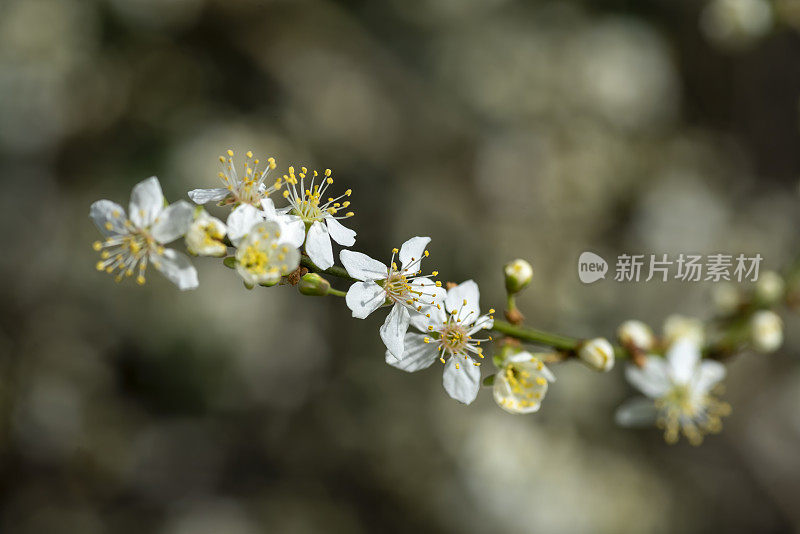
591, 267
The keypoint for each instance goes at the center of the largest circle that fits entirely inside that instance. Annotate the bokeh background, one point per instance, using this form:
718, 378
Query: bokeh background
502, 129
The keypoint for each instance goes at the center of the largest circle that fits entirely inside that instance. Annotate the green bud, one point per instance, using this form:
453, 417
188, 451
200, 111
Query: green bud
229, 262
519, 274
313, 285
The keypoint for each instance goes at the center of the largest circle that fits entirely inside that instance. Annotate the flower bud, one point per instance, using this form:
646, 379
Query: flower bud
679, 326
597, 353
205, 234
521, 383
726, 297
313, 285
766, 331
519, 274
769, 287
636, 335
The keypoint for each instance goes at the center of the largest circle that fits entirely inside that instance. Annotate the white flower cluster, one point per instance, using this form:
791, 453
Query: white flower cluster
426, 322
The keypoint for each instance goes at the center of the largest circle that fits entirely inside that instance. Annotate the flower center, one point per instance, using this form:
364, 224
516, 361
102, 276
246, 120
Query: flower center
123, 252
681, 410
453, 337
250, 188
255, 260
307, 202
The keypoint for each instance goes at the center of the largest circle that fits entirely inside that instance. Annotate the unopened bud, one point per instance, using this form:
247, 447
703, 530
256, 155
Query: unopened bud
519, 274
636, 335
313, 285
766, 331
521, 383
770, 287
680, 326
597, 353
726, 297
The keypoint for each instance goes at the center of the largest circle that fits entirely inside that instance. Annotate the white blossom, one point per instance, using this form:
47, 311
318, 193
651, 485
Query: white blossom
766, 331
770, 287
678, 393
519, 274
449, 337
522, 382
404, 287
205, 235
263, 254
249, 188
319, 215
131, 242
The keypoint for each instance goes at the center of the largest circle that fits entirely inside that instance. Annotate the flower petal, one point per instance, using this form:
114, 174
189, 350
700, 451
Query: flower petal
339, 233
454, 301
364, 298
362, 267
708, 374
318, 246
204, 196
240, 221
421, 321
652, 379
412, 250
461, 383
683, 357
416, 354
147, 201
394, 328
109, 217
177, 268
636, 412
173, 222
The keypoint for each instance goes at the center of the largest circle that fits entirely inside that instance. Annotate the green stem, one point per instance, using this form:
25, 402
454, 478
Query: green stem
532, 335
336, 293
338, 272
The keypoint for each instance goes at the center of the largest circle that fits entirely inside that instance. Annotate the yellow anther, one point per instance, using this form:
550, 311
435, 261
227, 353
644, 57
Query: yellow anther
230, 152
303, 170
438, 283
349, 214
97, 245
426, 253
99, 265
222, 159
108, 226
395, 251
348, 192
435, 273
249, 154
328, 172
491, 310
140, 280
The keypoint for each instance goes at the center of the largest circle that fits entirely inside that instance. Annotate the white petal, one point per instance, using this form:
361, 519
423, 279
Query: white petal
394, 328
362, 267
291, 258
416, 354
708, 375
339, 233
484, 322
463, 383
421, 321
652, 379
293, 230
318, 246
147, 201
240, 221
683, 357
105, 212
364, 298
268, 207
636, 412
177, 268
412, 250
204, 196
466, 291
173, 222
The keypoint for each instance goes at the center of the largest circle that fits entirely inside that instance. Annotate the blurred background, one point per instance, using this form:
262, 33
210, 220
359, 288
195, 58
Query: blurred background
502, 129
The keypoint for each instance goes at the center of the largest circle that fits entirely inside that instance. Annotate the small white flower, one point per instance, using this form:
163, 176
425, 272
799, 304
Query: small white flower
522, 383
766, 331
770, 287
130, 243
406, 288
678, 394
449, 337
319, 215
248, 189
205, 235
597, 353
679, 326
636, 334
263, 254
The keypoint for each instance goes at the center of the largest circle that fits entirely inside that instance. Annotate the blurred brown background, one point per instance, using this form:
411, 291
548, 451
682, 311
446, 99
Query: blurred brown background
502, 129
